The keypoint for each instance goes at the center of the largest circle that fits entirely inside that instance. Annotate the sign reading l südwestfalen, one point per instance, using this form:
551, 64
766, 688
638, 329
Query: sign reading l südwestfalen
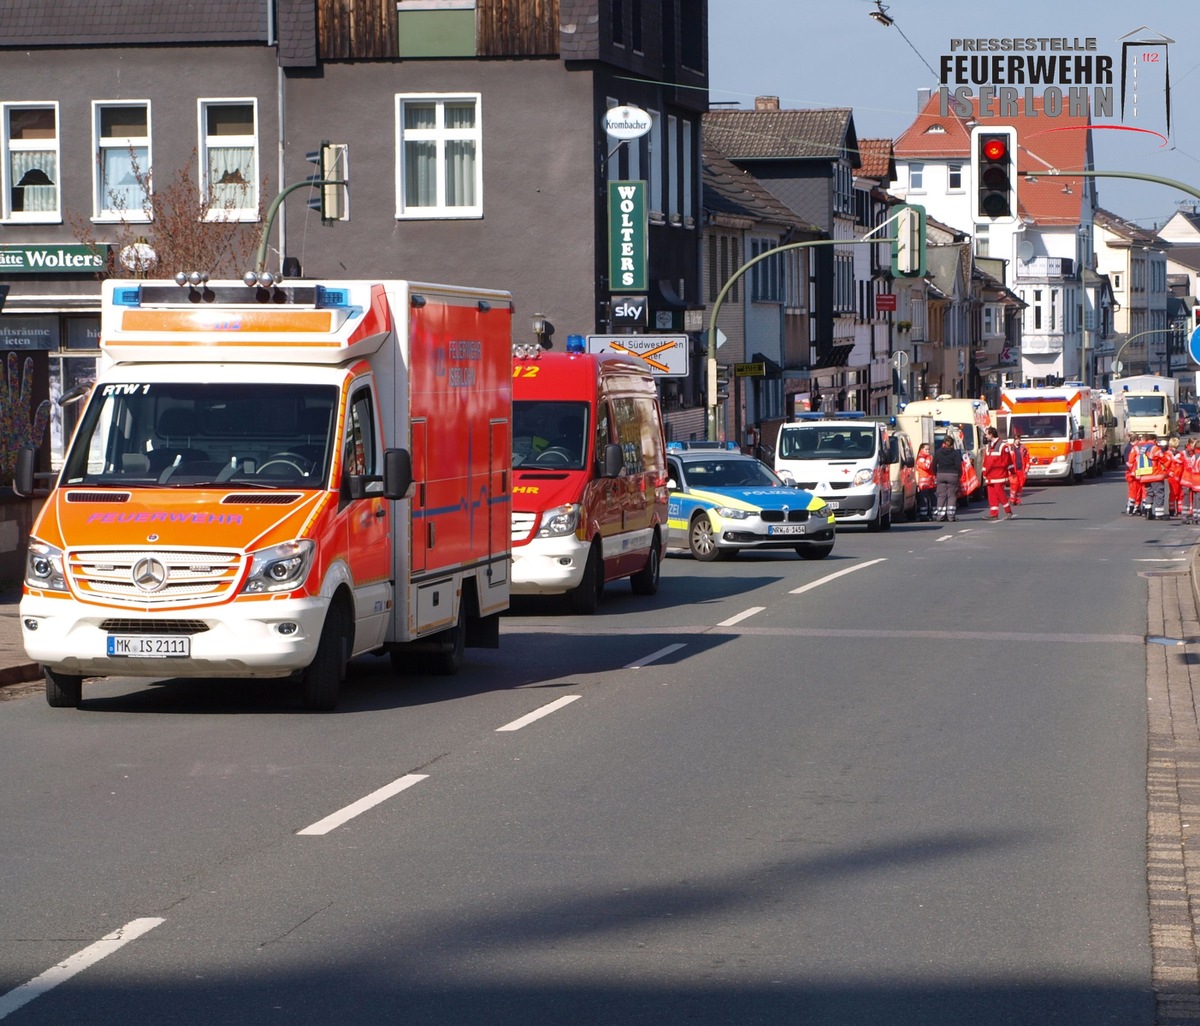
627, 236
52, 259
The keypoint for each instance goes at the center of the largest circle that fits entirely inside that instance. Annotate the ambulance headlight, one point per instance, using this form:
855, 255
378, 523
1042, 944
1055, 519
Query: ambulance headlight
44, 567
279, 568
864, 476
560, 521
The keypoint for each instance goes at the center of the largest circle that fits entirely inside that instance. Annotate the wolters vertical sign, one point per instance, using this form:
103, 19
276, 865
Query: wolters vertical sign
627, 236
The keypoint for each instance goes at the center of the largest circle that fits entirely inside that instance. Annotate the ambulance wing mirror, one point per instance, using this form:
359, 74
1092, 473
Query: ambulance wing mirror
397, 474
614, 460
23, 475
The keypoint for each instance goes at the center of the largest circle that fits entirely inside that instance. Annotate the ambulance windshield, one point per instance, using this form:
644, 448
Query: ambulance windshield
550, 434
182, 434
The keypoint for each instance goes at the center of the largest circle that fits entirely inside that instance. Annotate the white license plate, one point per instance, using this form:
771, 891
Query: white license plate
149, 646
785, 529
833, 504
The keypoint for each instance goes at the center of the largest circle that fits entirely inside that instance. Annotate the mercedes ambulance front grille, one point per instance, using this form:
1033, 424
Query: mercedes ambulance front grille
154, 626
154, 578
522, 525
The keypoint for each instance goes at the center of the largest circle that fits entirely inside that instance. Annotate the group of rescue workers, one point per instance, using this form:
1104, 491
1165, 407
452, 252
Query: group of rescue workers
945, 476
1163, 478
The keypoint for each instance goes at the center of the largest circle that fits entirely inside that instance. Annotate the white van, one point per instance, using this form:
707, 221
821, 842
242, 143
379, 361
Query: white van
845, 459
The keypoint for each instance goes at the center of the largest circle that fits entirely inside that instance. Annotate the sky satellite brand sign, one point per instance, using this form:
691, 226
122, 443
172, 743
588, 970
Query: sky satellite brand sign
627, 122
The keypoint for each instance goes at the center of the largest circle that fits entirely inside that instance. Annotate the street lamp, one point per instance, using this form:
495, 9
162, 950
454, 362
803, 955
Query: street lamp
1133, 338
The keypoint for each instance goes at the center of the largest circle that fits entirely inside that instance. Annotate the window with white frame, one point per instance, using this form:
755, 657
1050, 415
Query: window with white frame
982, 239
993, 320
29, 136
954, 181
439, 168
916, 177
654, 167
229, 158
121, 134
674, 183
689, 189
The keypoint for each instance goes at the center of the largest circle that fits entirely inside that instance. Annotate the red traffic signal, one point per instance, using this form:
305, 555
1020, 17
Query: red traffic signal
995, 173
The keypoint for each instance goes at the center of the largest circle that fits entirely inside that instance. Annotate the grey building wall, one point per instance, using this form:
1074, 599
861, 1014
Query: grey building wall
540, 180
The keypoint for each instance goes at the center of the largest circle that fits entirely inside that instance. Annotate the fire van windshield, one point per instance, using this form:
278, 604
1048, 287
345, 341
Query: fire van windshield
184, 434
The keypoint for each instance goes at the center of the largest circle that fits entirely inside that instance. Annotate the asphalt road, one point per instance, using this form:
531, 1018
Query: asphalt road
906, 784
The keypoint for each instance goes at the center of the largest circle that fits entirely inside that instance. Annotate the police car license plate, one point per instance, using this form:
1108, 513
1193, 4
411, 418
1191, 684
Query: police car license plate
833, 504
149, 646
785, 529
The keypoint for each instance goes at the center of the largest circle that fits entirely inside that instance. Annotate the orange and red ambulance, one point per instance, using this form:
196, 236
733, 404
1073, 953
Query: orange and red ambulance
268, 481
1063, 428
589, 474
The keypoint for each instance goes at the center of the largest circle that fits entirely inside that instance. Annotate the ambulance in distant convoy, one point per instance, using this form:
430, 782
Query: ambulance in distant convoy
268, 481
1063, 428
589, 474
1150, 403
970, 416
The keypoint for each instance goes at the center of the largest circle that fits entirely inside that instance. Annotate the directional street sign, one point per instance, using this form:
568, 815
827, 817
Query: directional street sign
666, 356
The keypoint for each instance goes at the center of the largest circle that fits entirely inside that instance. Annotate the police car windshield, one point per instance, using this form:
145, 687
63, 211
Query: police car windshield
827, 442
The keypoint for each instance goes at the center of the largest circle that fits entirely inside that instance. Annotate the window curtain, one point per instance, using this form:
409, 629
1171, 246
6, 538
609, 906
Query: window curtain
120, 189
460, 157
33, 175
229, 174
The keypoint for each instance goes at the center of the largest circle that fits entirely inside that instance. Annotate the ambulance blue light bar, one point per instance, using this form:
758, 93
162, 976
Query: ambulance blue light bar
328, 298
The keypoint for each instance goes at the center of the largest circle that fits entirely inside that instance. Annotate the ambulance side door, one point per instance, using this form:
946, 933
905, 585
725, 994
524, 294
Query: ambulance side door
367, 519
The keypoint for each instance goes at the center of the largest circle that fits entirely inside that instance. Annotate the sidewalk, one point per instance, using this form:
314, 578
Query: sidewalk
15, 667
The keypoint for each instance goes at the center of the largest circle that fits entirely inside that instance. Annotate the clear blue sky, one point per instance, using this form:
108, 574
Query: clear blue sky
831, 53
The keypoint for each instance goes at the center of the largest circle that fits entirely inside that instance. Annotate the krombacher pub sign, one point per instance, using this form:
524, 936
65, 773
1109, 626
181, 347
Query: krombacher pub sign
627, 236
52, 259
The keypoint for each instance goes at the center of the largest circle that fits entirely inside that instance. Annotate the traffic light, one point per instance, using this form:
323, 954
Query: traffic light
331, 180
908, 242
994, 173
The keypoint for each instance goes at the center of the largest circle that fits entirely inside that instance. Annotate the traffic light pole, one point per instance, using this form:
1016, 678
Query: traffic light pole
1055, 172
269, 221
711, 398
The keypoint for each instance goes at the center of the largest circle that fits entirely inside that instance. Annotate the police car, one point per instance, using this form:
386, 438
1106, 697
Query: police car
724, 502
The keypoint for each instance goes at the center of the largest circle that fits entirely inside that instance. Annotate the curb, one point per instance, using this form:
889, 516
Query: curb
23, 673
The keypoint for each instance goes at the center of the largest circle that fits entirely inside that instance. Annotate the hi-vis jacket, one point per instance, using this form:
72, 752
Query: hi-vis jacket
925, 475
997, 462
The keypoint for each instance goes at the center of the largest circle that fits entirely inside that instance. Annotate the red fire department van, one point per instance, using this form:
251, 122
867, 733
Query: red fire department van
589, 474
269, 481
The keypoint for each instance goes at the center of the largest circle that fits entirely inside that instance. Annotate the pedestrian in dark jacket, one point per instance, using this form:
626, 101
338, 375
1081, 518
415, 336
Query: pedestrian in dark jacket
947, 469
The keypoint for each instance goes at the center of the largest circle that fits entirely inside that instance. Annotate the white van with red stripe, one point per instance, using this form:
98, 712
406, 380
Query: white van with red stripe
267, 481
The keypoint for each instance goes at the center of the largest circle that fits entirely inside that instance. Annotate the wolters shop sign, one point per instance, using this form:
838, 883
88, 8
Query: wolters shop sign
627, 236
52, 259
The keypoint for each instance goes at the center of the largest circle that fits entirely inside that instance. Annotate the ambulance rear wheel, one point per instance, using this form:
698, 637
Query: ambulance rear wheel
323, 677
585, 597
63, 690
448, 661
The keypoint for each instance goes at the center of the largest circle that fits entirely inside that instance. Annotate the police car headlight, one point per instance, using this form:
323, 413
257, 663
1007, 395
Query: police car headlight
863, 477
44, 567
279, 568
560, 521
729, 513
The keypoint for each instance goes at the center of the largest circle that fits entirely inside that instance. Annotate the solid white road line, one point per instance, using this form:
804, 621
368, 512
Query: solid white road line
67, 968
833, 577
537, 714
334, 821
741, 616
652, 657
